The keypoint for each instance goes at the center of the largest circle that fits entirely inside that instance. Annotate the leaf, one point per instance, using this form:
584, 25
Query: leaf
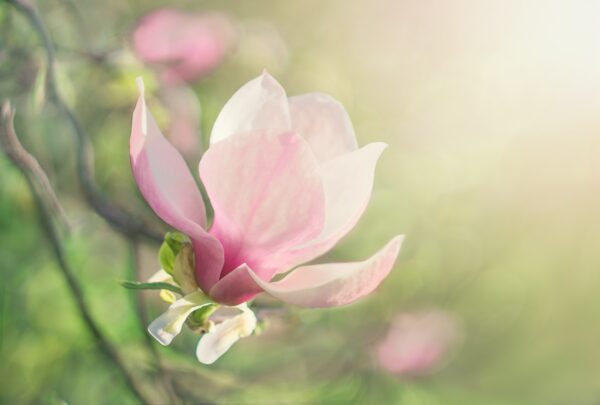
170, 248
136, 285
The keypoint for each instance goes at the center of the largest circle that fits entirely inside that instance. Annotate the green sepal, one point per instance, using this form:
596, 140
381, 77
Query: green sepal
170, 248
198, 320
136, 285
184, 270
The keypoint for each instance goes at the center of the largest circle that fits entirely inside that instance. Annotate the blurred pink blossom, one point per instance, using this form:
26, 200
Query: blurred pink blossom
418, 343
287, 181
186, 46
184, 119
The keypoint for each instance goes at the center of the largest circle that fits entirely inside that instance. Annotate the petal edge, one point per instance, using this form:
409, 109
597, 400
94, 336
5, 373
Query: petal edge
334, 284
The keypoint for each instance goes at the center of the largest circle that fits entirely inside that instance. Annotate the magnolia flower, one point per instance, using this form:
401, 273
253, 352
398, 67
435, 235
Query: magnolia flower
417, 343
186, 45
286, 181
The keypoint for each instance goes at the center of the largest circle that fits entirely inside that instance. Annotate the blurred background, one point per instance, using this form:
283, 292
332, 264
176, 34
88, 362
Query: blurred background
490, 110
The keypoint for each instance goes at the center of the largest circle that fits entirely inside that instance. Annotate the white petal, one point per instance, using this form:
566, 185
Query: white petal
214, 344
348, 182
324, 123
259, 105
168, 325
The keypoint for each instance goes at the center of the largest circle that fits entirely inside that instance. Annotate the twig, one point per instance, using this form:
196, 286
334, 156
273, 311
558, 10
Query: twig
24, 162
124, 222
38, 176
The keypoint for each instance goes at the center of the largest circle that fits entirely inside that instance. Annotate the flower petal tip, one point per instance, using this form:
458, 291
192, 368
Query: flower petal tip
139, 81
160, 335
269, 82
381, 146
398, 240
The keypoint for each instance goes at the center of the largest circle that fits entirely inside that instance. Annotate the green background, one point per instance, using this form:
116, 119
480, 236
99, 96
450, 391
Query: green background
490, 110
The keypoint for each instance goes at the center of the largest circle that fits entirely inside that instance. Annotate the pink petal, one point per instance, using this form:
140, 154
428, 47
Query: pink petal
236, 287
348, 182
169, 188
267, 195
324, 123
258, 106
334, 284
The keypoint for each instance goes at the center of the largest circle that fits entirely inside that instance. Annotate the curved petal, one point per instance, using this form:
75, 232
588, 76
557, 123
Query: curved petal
334, 284
214, 344
169, 188
348, 182
324, 123
236, 287
259, 105
267, 195
168, 325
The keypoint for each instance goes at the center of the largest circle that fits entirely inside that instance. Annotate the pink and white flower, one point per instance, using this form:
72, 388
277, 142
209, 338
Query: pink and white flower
287, 181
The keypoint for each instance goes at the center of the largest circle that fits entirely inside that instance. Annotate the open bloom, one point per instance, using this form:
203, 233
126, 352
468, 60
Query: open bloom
418, 343
286, 181
186, 45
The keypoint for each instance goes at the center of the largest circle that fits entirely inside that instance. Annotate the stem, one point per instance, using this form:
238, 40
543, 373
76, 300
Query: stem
124, 222
25, 163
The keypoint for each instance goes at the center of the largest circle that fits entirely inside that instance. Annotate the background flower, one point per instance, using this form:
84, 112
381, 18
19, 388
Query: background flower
418, 343
184, 46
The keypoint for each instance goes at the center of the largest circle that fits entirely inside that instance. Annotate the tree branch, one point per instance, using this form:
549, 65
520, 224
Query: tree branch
122, 221
29, 167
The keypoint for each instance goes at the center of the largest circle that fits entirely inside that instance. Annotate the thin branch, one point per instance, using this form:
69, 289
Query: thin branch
28, 166
38, 177
124, 222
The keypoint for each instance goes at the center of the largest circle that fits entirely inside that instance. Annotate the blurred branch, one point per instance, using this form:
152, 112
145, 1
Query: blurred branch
23, 161
124, 222
35, 174
142, 316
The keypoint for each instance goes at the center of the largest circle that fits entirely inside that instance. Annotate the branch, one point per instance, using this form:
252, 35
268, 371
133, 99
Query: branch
30, 169
36, 176
122, 221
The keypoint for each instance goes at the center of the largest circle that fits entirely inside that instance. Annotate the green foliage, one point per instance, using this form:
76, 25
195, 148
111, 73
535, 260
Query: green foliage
136, 285
199, 318
184, 269
170, 248
491, 171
